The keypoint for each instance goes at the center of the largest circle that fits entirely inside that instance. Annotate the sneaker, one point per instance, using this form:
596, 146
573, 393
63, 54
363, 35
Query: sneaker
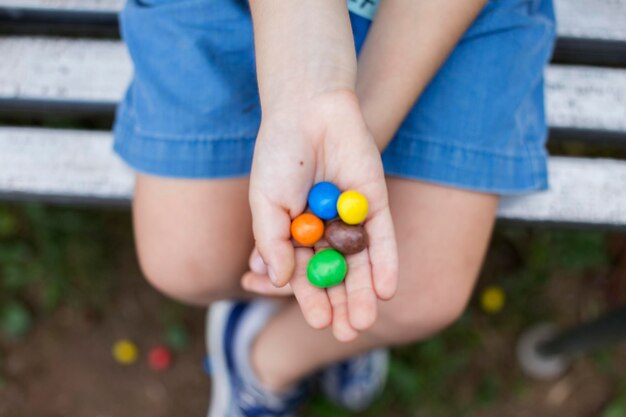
354, 384
236, 392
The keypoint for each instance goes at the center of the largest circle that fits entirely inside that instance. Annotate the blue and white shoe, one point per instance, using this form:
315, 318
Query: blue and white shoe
355, 383
236, 392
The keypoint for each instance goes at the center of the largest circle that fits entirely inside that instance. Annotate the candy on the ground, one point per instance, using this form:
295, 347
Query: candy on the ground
323, 200
159, 358
15, 320
352, 207
307, 229
492, 299
327, 268
347, 239
125, 352
206, 366
177, 337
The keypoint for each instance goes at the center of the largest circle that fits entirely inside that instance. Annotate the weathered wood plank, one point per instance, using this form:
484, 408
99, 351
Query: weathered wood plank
70, 5
63, 69
596, 19
97, 71
583, 191
61, 164
53, 164
588, 19
586, 97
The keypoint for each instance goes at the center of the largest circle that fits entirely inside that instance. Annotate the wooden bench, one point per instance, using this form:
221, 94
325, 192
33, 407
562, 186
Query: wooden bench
85, 72
84, 76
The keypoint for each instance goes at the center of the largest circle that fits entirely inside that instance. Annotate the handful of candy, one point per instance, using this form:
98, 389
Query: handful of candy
346, 235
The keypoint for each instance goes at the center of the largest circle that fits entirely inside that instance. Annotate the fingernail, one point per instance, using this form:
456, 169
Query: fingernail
272, 274
258, 266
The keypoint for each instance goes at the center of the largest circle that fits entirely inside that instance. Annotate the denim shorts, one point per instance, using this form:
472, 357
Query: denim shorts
192, 109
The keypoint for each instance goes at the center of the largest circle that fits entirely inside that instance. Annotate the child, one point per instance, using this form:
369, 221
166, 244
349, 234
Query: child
229, 127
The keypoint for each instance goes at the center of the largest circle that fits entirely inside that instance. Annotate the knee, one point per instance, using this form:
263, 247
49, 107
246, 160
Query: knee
193, 237
188, 277
414, 317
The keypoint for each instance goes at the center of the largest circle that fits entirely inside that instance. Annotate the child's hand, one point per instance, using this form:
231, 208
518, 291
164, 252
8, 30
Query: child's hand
323, 138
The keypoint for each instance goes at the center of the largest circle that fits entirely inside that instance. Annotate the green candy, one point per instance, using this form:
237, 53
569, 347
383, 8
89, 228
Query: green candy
177, 337
327, 268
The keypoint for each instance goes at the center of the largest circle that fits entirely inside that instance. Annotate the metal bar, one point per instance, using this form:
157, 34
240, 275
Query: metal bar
64, 22
66, 200
593, 136
598, 52
79, 109
605, 330
562, 225
68, 108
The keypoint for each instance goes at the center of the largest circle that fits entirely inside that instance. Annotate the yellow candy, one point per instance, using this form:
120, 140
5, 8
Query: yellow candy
125, 352
492, 299
352, 207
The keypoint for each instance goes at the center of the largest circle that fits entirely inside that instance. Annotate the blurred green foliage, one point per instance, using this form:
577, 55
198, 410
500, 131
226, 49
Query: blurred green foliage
51, 256
616, 408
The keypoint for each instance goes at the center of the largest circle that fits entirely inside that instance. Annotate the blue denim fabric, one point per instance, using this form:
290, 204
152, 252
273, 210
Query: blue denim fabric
192, 109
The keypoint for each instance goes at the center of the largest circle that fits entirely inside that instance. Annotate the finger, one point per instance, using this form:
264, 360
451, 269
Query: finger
342, 329
313, 301
256, 263
362, 303
262, 285
321, 245
383, 253
271, 225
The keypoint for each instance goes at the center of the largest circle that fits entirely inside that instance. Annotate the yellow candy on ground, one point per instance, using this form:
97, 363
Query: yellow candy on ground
125, 352
352, 207
492, 299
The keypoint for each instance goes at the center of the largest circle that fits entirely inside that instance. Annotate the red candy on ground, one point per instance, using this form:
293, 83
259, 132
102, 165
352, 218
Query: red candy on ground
159, 358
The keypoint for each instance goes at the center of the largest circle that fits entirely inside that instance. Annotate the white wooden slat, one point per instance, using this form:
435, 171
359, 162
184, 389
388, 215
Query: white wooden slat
99, 70
583, 191
596, 19
63, 69
61, 163
586, 97
81, 164
79, 5
591, 19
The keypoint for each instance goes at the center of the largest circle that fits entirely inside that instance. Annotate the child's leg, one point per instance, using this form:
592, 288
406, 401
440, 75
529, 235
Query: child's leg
442, 237
193, 236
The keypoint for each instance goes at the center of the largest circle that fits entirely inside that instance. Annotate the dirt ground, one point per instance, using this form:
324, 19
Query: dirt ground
64, 368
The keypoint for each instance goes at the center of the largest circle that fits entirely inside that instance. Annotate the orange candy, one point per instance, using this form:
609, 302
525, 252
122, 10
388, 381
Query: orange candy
307, 229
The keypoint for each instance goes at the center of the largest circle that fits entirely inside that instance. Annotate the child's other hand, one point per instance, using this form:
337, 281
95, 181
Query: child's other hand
300, 144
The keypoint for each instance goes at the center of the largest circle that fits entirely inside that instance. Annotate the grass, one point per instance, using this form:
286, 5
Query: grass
51, 256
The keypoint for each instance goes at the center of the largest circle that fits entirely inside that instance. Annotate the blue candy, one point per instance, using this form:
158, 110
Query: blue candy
207, 367
323, 200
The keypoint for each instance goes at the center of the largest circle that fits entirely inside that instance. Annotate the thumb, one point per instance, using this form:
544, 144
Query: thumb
271, 227
260, 284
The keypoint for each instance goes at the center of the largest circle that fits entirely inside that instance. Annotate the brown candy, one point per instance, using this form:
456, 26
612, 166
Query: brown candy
345, 238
